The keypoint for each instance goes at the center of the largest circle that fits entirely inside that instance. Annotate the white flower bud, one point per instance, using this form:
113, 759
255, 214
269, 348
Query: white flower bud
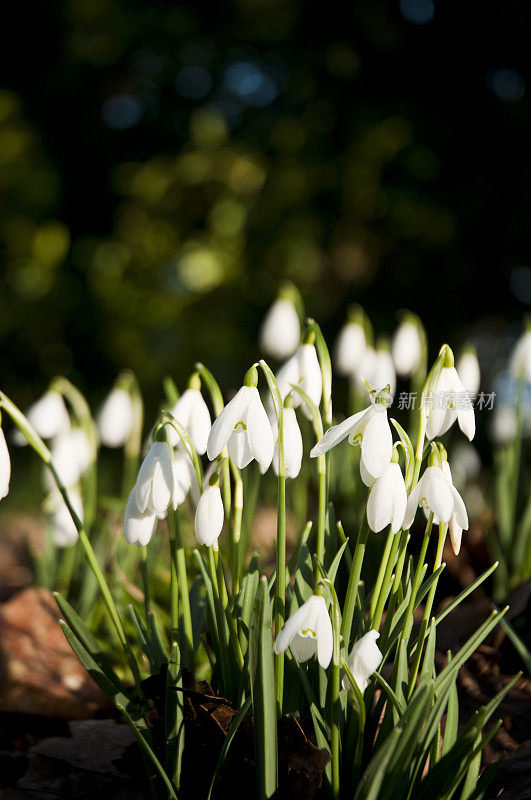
115, 418
64, 531
281, 331
468, 371
350, 348
209, 516
364, 660
139, 526
406, 349
154, 486
5, 466
193, 414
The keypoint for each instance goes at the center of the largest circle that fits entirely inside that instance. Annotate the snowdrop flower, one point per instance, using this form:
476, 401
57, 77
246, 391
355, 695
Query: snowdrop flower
292, 442
115, 418
308, 630
407, 347
72, 454
193, 414
139, 526
520, 364
459, 519
243, 427
302, 369
5, 466
387, 499
449, 401
351, 344
281, 331
183, 477
367, 369
48, 416
383, 371
154, 485
468, 371
64, 531
209, 515
364, 660
437, 494
369, 428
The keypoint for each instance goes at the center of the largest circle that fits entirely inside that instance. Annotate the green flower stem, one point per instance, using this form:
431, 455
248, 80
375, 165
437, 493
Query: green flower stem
133, 446
420, 446
145, 581
393, 602
236, 528
231, 623
427, 610
102, 583
322, 506
408, 622
353, 581
381, 575
224, 655
385, 584
179, 584
280, 583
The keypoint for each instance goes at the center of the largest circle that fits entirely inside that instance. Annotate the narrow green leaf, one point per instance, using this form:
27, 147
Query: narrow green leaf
263, 692
174, 717
231, 733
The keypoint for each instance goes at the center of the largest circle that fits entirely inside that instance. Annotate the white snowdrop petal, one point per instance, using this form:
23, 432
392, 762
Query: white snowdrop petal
281, 330
325, 639
365, 475
336, 434
303, 647
209, 516
291, 627
293, 448
456, 533
380, 504
259, 431
223, 426
467, 422
469, 373
5, 466
350, 348
239, 451
460, 513
115, 418
377, 444
138, 526
311, 378
412, 505
437, 494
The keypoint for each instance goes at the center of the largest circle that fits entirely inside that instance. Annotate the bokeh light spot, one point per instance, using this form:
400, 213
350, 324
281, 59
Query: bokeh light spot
122, 111
193, 82
419, 12
507, 84
250, 83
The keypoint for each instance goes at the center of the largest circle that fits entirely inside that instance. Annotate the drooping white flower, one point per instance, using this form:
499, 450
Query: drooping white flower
209, 516
292, 444
139, 526
459, 515
115, 418
350, 348
243, 426
364, 660
367, 369
469, 372
72, 454
193, 414
281, 331
48, 416
5, 466
64, 531
407, 348
447, 401
308, 630
383, 372
303, 370
183, 477
154, 485
387, 500
369, 428
520, 364
437, 494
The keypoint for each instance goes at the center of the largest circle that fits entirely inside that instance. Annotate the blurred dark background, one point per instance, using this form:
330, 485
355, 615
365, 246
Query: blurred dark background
163, 166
